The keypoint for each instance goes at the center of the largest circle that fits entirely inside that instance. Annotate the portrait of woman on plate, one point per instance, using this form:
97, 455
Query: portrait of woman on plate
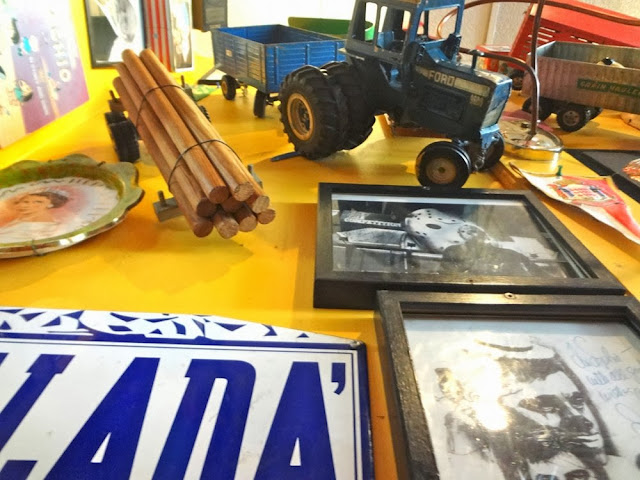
34, 216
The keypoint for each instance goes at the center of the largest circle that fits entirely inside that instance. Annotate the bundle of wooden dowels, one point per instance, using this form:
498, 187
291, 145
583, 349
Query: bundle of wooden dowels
211, 186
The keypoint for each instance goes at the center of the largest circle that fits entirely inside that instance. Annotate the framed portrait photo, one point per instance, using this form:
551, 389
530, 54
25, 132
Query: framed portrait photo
510, 386
114, 26
380, 237
180, 45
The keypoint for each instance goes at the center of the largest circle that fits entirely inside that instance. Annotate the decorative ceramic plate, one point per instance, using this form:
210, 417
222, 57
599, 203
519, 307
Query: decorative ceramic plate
47, 206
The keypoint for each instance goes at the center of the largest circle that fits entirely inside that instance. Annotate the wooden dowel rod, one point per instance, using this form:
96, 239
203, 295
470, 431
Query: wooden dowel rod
198, 163
225, 224
247, 221
258, 203
164, 154
231, 205
229, 165
199, 225
266, 216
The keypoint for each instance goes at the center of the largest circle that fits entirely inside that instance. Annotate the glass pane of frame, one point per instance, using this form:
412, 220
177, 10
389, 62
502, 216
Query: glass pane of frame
373, 237
510, 387
114, 26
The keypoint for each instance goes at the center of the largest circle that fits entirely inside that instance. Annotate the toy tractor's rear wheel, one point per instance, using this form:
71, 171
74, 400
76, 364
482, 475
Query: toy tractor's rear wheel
443, 165
313, 112
572, 117
229, 85
360, 114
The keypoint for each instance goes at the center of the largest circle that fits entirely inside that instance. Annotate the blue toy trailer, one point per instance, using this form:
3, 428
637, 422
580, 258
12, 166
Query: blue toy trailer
261, 56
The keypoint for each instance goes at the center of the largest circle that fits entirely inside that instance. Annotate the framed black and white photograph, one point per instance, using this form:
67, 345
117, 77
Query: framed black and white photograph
511, 387
114, 26
373, 237
180, 45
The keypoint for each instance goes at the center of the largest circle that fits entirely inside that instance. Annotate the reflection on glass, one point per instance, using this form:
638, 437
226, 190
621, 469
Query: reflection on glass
529, 404
446, 236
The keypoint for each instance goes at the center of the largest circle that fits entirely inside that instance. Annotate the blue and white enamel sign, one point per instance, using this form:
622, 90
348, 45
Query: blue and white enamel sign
108, 395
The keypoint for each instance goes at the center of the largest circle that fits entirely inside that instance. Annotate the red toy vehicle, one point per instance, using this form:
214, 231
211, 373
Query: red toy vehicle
561, 24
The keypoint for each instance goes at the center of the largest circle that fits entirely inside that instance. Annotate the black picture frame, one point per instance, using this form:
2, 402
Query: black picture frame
611, 162
427, 395
112, 27
502, 241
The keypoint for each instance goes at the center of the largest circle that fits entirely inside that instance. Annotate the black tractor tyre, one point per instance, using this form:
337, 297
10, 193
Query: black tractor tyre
443, 165
313, 112
360, 115
572, 117
125, 140
494, 153
545, 107
259, 104
229, 85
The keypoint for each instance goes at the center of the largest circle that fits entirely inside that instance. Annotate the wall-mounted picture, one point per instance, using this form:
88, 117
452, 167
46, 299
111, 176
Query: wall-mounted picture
495, 387
114, 26
180, 48
384, 237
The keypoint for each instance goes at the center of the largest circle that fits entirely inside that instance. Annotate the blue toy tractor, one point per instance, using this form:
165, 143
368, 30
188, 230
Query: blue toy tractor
414, 77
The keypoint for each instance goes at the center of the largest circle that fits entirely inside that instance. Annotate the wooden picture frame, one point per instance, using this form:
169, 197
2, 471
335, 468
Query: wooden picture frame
489, 386
380, 237
112, 27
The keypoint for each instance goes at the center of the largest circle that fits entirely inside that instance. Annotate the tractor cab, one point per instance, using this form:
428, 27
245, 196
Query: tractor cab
401, 26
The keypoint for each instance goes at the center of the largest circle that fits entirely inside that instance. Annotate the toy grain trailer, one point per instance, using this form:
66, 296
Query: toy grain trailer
261, 56
578, 80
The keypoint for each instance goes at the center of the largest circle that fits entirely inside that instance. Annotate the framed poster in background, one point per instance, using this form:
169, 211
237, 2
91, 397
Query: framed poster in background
499, 387
168, 26
41, 75
381, 237
114, 26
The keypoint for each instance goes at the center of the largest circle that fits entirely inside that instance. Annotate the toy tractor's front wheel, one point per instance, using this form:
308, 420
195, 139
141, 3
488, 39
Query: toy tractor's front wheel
313, 112
443, 165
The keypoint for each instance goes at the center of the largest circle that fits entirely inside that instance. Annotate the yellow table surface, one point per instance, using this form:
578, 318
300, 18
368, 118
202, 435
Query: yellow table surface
266, 275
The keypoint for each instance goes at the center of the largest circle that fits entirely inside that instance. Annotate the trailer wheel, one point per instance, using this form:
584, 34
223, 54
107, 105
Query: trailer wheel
360, 114
125, 140
229, 86
312, 111
259, 104
572, 117
443, 165
545, 107
594, 112
517, 78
